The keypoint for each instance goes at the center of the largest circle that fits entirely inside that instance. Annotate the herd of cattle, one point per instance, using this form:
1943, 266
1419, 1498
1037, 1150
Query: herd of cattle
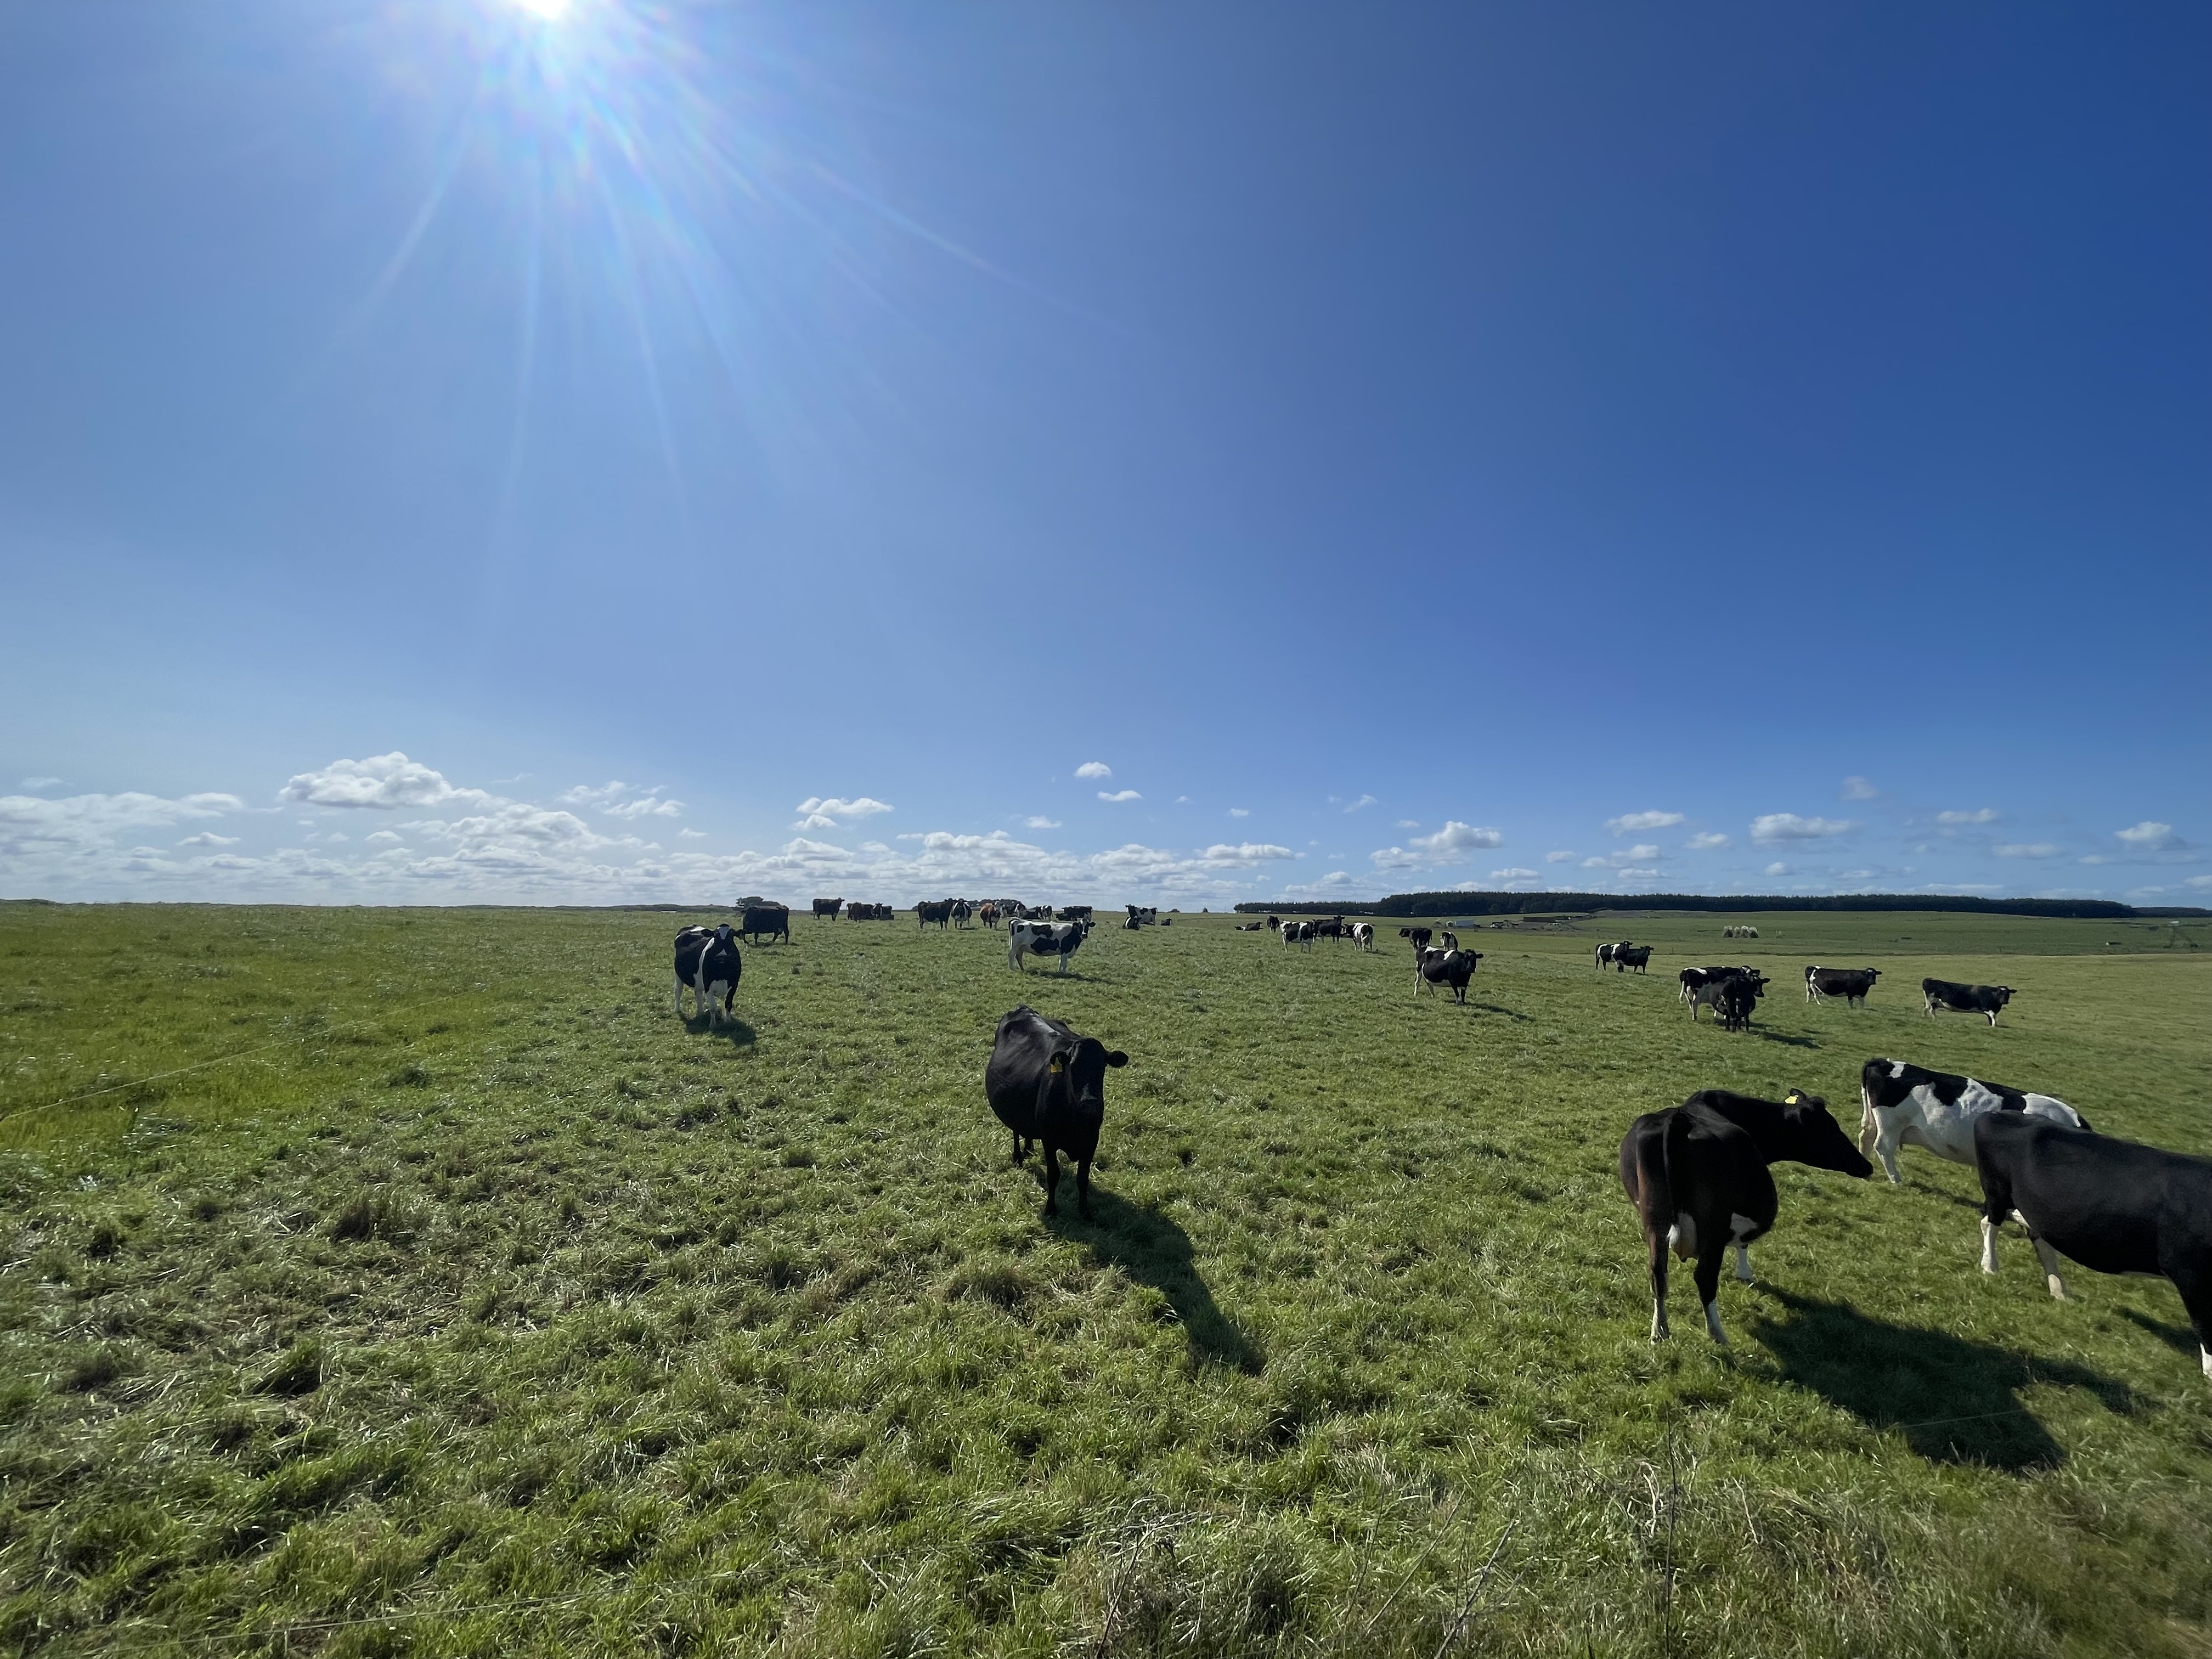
1698, 1174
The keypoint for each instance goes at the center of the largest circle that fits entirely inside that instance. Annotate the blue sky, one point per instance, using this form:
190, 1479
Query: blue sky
1724, 449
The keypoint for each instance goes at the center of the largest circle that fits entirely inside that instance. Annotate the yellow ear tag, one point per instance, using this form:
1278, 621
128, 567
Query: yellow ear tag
1058, 1066
1789, 1099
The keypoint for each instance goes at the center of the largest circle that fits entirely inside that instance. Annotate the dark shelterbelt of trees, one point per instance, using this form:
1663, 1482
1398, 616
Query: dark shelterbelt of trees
1519, 904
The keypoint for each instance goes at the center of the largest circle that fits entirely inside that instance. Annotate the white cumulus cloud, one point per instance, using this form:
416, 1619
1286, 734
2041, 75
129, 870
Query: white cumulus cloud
1120, 794
209, 838
1093, 769
1245, 852
1628, 822
2149, 836
1788, 826
1513, 874
1643, 853
1363, 801
1982, 815
2038, 849
1561, 857
1857, 788
1040, 822
1240, 812
1776, 869
384, 782
1705, 840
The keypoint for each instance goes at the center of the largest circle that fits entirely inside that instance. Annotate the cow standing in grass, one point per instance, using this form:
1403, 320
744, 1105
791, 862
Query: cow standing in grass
707, 961
1047, 1083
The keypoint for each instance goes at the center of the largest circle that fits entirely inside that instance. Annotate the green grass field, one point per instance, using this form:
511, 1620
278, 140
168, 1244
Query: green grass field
414, 1282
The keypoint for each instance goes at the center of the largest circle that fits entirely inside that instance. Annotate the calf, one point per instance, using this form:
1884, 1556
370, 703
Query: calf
1363, 934
1696, 1175
2113, 1206
828, 908
1902, 1105
936, 910
1446, 968
1420, 936
710, 964
1625, 956
1045, 938
1852, 984
1964, 998
1048, 1084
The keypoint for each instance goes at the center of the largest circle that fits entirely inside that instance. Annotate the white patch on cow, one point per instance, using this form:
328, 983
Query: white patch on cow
1989, 1245
1713, 1323
1896, 1070
2207, 1354
1683, 1236
2052, 1280
1738, 1226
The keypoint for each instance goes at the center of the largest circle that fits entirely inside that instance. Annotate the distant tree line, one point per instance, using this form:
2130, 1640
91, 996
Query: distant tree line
1520, 904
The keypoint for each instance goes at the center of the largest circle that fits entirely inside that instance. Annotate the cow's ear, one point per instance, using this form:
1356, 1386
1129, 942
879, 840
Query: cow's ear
1060, 1059
1115, 1057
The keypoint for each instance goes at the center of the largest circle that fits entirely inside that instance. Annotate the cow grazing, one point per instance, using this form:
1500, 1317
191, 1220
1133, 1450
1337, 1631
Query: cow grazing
1451, 969
828, 908
2116, 1207
1852, 984
1363, 934
710, 963
768, 921
1420, 937
1625, 956
1047, 1084
936, 910
1698, 1176
1045, 938
1075, 913
1905, 1105
1964, 998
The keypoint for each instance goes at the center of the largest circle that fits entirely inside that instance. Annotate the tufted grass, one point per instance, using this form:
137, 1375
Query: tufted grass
464, 1301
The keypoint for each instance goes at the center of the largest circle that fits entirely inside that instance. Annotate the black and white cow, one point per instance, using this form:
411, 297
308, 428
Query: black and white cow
963, 913
1451, 969
1696, 1175
1363, 934
1047, 1083
1964, 998
1144, 915
1625, 956
1297, 932
1604, 955
1901, 1104
707, 961
1852, 984
2116, 1207
1420, 937
1045, 938
1693, 980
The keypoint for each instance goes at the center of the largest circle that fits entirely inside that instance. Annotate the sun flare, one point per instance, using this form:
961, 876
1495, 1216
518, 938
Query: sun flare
550, 10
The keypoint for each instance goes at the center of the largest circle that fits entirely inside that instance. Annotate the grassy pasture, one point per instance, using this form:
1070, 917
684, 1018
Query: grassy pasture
414, 1282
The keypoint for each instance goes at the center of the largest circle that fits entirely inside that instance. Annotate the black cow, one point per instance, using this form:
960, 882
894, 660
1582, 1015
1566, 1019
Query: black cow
1625, 956
1048, 1084
1420, 936
1446, 968
1964, 998
1075, 913
772, 920
1852, 984
936, 910
710, 964
828, 908
2116, 1207
1333, 928
1738, 997
1696, 1175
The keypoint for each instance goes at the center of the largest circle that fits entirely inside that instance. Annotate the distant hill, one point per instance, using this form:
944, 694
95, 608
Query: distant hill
1517, 904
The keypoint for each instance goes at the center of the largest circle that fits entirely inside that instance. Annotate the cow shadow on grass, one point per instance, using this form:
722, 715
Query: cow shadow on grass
1153, 1250
1954, 1400
2179, 1337
1492, 1008
1777, 1036
735, 1032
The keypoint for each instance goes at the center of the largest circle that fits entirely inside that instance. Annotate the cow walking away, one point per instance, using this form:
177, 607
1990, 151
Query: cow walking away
1957, 998
1363, 934
710, 964
1421, 937
2113, 1206
1047, 1083
1905, 1105
1697, 1175
764, 921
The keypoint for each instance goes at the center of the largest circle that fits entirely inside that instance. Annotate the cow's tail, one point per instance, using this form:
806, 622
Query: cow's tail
1656, 1171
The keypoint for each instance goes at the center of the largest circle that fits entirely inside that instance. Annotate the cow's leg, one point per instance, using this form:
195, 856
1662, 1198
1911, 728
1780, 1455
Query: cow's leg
2048, 1258
679, 996
1993, 1018
1017, 1134
1654, 1242
1712, 1250
1051, 1179
1738, 1226
1083, 1186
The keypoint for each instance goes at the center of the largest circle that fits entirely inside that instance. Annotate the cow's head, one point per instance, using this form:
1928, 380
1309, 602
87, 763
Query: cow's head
1075, 1077
2004, 993
1813, 1138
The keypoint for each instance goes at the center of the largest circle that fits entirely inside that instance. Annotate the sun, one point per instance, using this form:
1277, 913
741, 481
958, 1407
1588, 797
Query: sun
550, 10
